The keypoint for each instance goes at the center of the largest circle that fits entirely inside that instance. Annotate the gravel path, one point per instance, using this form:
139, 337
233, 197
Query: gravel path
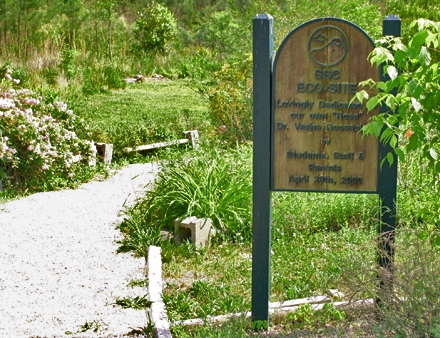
58, 266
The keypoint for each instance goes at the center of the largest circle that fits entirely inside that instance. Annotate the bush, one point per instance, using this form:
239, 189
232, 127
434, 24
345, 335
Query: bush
411, 95
102, 78
153, 30
230, 101
39, 148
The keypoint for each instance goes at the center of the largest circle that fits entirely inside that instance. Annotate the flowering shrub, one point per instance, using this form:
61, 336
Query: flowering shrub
39, 148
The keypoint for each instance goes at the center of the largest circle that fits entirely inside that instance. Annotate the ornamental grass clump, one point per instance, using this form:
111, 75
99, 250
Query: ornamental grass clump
39, 147
210, 183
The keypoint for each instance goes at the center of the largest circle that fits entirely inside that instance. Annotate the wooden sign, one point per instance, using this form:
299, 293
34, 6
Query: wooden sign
316, 139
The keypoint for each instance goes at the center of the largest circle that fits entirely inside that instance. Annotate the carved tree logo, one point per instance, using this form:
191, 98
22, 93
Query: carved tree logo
328, 46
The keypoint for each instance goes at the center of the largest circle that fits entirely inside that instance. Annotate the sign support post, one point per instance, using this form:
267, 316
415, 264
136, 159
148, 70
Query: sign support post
387, 187
261, 242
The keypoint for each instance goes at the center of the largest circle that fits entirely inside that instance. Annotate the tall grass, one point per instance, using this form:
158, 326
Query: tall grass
206, 183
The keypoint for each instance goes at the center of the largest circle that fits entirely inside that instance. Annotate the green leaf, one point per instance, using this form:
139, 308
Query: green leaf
400, 56
433, 153
436, 242
361, 95
381, 85
423, 235
393, 141
424, 56
385, 136
432, 39
392, 72
414, 89
373, 128
413, 143
390, 158
418, 39
372, 103
400, 153
416, 104
390, 101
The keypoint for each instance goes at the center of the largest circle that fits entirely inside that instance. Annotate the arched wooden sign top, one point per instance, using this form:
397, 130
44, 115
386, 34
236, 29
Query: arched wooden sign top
316, 140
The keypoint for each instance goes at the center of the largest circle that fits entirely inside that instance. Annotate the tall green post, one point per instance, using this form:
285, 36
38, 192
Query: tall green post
387, 186
261, 242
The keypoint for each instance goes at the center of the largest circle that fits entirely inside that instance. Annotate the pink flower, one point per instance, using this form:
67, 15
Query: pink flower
30, 101
222, 128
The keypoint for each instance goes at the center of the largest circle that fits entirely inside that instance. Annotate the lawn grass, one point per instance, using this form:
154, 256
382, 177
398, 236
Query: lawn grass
145, 113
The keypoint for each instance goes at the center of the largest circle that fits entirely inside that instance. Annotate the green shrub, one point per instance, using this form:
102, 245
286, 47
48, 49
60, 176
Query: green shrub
223, 33
154, 29
411, 95
67, 58
102, 78
39, 147
230, 101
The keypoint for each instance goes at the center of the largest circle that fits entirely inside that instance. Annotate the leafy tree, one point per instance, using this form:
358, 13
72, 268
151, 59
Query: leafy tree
108, 14
155, 27
412, 93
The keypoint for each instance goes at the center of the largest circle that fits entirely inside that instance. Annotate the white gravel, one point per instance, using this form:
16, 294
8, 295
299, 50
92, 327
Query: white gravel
58, 264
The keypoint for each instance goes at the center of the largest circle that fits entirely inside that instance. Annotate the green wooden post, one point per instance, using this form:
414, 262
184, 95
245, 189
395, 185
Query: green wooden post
261, 242
387, 187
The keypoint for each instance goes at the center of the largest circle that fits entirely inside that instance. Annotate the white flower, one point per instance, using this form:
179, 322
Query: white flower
6, 103
61, 106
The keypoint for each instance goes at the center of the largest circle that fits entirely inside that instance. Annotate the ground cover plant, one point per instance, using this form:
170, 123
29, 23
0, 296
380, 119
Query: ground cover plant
144, 113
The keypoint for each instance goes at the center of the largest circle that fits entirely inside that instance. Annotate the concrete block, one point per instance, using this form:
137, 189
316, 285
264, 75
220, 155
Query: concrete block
105, 150
197, 229
193, 136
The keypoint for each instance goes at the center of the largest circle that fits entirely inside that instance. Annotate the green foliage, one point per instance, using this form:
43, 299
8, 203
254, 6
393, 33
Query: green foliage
233, 328
230, 101
94, 326
329, 312
152, 112
102, 78
260, 325
223, 33
67, 59
211, 183
412, 93
410, 10
325, 212
154, 29
200, 300
39, 147
137, 303
303, 316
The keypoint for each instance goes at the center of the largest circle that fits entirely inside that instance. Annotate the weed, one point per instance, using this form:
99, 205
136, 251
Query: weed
146, 331
143, 283
302, 316
260, 325
94, 326
137, 303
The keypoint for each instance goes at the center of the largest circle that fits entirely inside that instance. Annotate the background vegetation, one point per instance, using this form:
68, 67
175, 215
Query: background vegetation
196, 57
